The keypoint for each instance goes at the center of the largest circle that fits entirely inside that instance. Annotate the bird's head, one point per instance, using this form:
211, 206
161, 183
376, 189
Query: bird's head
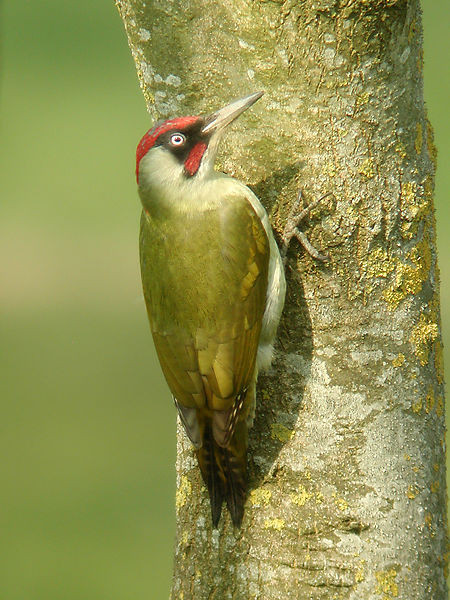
184, 148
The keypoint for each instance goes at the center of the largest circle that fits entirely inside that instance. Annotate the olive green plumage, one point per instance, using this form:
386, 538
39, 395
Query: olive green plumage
204, 275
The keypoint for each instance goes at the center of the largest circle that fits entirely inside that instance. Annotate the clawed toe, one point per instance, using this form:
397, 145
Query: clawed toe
292, 230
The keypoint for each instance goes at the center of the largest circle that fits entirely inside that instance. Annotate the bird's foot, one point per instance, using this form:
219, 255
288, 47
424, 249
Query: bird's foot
292, 230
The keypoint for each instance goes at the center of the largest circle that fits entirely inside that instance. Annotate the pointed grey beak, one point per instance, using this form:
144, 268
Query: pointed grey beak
229, 113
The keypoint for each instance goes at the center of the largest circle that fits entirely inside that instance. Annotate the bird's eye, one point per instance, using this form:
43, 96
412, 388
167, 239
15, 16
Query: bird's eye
177, 139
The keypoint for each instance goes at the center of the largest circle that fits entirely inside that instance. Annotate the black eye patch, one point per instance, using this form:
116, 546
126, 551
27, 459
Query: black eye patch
192, 135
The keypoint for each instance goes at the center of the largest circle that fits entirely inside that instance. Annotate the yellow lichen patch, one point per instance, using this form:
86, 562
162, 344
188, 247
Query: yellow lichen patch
418, 142
416, 213
407, 194
280, 432
439, 361
379, 263
407, 457
362, 99
407, 230
423, 335
359, 575
340, 502
302, 496
436, 467
413, 491
428, 186
434, 487
319, 498
430, 400
277, 524
149, 97
417, 406
398, 360
410, 276
387, 586
183, 492
432, 150
260, 496
400, 149
330, 169
440, 406
415, 205
367, 169
185, 538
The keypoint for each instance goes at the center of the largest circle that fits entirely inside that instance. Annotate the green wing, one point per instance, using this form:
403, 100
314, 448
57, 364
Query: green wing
205, 280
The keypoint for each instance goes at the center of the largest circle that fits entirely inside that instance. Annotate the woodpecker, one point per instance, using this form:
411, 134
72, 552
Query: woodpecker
214, 287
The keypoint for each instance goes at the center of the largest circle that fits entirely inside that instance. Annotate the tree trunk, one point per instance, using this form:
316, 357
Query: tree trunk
347, 491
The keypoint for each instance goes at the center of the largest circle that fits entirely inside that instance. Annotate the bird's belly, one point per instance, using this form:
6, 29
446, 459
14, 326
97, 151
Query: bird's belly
205, 281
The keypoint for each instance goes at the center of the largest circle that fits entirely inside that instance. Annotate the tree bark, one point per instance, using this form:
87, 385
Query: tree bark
347, 491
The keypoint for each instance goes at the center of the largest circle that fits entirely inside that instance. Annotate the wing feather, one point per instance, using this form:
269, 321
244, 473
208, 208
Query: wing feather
205, 281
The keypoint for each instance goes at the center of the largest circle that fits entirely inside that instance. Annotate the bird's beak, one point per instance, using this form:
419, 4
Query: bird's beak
226, 115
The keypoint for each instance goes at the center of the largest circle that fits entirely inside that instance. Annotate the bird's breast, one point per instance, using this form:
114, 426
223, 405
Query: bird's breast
193, 266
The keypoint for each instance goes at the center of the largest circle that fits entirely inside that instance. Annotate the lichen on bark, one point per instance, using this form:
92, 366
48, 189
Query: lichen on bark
347, 468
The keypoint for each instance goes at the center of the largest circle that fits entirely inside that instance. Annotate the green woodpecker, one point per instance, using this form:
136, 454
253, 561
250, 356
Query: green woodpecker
214, 287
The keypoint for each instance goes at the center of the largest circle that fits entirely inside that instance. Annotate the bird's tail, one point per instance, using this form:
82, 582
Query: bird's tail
224, 471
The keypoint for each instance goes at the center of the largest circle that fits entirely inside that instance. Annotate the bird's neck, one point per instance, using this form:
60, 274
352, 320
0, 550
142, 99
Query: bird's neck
184, 195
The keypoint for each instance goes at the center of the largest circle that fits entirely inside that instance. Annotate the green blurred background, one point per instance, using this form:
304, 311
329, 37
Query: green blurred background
87, 428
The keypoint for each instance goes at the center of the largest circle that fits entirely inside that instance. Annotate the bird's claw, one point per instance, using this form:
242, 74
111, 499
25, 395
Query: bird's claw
292, 230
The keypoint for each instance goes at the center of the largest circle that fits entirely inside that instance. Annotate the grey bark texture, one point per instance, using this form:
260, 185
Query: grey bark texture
347, 491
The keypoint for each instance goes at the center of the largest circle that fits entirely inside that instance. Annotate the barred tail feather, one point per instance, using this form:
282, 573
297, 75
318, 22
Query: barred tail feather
224, 472
234, 466
206, 456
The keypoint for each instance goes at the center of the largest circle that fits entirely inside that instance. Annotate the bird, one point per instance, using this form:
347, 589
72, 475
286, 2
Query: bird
214, 287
